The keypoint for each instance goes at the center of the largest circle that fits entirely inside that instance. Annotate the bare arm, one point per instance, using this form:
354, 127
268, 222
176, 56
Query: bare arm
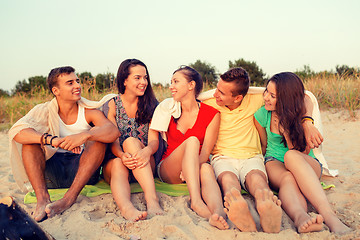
312, 135
104, 131
143, 156
28, 136
262, 134
210, 138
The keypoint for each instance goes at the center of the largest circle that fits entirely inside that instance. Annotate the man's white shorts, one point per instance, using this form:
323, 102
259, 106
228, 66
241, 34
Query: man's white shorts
240, 167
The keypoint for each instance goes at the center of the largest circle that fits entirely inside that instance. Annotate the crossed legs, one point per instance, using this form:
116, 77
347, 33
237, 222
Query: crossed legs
117, 175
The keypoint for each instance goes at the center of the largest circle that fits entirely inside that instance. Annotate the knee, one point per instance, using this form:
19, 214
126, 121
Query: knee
228, 178
96, 147
255, 176
287, 178
132, 144
117, 165
291, 157
206, 170
31, 151
192, 142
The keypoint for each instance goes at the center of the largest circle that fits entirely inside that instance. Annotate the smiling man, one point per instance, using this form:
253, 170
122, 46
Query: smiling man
237, 156
60, 144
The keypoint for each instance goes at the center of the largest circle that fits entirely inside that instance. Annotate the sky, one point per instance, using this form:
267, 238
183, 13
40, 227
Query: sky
96, 36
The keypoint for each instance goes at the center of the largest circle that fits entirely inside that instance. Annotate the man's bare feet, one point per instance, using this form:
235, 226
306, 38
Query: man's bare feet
218, 221
40, 214
58, 206
268, 207
310, 224
238, 211
201, 209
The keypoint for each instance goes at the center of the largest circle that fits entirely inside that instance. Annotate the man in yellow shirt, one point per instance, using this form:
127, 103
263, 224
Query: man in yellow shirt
237, 158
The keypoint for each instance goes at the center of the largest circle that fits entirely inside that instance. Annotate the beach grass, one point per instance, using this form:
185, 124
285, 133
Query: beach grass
339, 92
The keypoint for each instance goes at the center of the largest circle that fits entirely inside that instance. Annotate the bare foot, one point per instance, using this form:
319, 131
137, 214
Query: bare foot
201, 209
238, 211
132, 214
154, 208
335, 225
58, 206
268, 207
310, 224
40, 214
218, 221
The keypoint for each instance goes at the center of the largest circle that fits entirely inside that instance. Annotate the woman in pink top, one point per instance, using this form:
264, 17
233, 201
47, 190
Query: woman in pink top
190, 139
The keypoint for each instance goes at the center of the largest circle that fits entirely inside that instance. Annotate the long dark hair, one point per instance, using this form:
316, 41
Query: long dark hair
290, 107
146, 103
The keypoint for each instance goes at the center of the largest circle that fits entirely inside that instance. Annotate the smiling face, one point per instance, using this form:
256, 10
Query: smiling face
224, 95
180, 86
137, 81
270, 96
67, 87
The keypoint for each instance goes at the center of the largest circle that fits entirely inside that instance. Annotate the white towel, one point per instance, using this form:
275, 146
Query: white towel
162, 115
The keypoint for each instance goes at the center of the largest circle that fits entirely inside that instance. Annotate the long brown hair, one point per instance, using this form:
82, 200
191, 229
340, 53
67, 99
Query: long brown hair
147, 103
290, 107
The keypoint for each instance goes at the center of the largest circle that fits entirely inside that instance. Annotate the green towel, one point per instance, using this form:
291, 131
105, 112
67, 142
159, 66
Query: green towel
102, 187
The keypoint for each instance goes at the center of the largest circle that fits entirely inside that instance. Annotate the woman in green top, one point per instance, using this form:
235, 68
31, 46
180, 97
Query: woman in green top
291, 166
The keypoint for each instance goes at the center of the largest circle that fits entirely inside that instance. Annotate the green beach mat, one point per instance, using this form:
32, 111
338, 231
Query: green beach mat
102, 187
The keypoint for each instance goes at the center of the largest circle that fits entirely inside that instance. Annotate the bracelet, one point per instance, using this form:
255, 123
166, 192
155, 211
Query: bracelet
307, 118
51, 140
45, 138
42, 139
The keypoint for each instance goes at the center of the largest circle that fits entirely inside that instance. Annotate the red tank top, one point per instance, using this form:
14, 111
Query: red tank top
175, 137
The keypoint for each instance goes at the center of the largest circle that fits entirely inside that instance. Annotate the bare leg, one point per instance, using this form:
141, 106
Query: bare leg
34, 163
236, 207
145, 178
306, 172
186, 159
293, 202
267, 204
212, 196
90, 161
116, 174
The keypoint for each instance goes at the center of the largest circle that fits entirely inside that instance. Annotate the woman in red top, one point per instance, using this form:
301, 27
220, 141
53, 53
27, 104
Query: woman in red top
190, 139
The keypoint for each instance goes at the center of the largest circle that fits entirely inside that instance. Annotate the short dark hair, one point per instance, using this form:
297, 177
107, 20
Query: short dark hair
55, 73
191, 75
241, 79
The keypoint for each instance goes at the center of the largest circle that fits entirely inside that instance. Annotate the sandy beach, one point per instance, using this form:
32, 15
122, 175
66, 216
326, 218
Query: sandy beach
99, 218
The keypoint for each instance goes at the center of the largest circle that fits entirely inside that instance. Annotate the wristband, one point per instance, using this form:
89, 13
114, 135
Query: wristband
307, 118
52, 140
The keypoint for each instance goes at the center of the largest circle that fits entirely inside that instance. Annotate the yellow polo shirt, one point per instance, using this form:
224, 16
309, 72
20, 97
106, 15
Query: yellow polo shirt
238, 137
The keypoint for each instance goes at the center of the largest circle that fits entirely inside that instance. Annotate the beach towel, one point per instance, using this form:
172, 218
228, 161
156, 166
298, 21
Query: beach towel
102, 187
42, 118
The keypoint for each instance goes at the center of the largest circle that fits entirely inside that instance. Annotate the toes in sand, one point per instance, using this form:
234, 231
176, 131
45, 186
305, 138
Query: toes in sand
269, 209
311, 224
218, 221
